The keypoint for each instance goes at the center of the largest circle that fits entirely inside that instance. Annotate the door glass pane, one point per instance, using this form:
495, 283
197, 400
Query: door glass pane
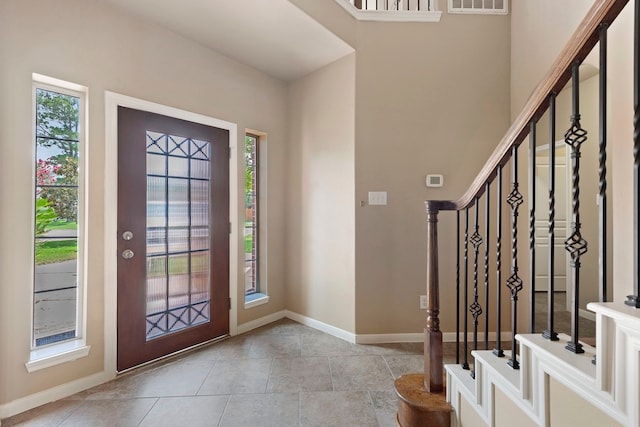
178, 205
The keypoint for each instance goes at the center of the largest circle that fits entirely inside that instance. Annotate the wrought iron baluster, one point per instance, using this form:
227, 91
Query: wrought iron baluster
465, 363
457, 287
550, 332
498, 350
575, 244
602, 168
532, 224
634, 300
514, 282
486, 265
475, 309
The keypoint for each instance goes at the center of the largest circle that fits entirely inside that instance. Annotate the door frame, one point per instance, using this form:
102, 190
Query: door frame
112, 102
567, 177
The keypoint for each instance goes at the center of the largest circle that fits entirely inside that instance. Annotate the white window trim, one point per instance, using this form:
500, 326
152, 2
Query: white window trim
67, 351
56, 354
259, 299
477, 11
262, 296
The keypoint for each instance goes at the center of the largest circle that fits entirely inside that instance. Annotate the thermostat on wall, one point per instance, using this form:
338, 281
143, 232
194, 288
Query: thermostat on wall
435, 180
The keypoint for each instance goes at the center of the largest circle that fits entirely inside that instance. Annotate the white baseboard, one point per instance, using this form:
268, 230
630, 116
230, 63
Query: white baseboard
50, 395
321, 326
389, 338
257, 323
419, 337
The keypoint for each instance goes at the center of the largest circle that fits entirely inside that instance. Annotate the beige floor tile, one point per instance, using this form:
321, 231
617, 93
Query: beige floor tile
178, 378
98, 413
360, 373
283, 327
339, 409
51, 414
237, 377
325, 345
405, 364
193, 411
385, 404
264, 410
276, 345
300, 374
232, 348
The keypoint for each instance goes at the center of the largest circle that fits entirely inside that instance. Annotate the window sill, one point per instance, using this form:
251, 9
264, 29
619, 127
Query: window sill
56, 354
255, 300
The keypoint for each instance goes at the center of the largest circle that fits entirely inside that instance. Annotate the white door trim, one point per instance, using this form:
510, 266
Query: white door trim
112, 101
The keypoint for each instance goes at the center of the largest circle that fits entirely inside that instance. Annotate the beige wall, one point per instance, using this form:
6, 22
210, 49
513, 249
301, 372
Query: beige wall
539, 31
332, 16
320, 234
429, 99
621, 113
88, 43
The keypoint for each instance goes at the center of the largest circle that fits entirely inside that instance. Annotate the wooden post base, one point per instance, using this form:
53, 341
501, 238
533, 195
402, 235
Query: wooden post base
419, 408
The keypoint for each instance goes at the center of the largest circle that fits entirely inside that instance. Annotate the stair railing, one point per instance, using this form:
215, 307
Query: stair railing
592, 31
397, 5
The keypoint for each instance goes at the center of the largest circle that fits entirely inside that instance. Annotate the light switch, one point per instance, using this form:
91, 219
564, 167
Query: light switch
377, 197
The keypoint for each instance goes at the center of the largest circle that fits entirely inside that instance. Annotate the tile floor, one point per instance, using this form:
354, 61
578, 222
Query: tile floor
284, 374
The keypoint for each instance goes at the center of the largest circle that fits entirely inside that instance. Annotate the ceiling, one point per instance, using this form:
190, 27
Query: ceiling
273, 36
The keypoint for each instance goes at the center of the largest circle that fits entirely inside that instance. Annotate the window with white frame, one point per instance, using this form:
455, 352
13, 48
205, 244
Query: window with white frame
252, 283
59, 140
255, 285
485, 7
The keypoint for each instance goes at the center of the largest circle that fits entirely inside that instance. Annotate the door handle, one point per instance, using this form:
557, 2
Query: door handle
127, 254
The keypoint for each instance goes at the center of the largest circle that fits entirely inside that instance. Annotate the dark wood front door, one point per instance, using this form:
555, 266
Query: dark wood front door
173, 235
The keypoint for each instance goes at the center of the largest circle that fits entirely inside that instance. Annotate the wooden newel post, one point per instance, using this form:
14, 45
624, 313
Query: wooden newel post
433, 364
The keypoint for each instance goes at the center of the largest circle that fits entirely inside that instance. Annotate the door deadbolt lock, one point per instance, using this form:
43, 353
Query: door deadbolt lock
127, 254
127, 235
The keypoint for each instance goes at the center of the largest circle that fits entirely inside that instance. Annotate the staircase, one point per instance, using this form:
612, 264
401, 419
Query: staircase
538, 375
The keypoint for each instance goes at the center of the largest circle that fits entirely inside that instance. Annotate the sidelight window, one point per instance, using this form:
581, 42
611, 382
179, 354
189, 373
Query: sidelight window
251, 235
59, 117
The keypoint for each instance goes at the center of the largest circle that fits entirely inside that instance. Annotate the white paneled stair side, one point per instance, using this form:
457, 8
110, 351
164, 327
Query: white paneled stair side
605, 376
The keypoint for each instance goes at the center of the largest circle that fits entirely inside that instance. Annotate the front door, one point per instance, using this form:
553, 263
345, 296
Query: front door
173, 235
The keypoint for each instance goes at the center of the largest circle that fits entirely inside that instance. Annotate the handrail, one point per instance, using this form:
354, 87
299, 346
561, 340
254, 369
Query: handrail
580, 44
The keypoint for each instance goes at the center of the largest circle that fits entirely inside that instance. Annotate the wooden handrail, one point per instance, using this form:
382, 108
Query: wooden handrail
581, 43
